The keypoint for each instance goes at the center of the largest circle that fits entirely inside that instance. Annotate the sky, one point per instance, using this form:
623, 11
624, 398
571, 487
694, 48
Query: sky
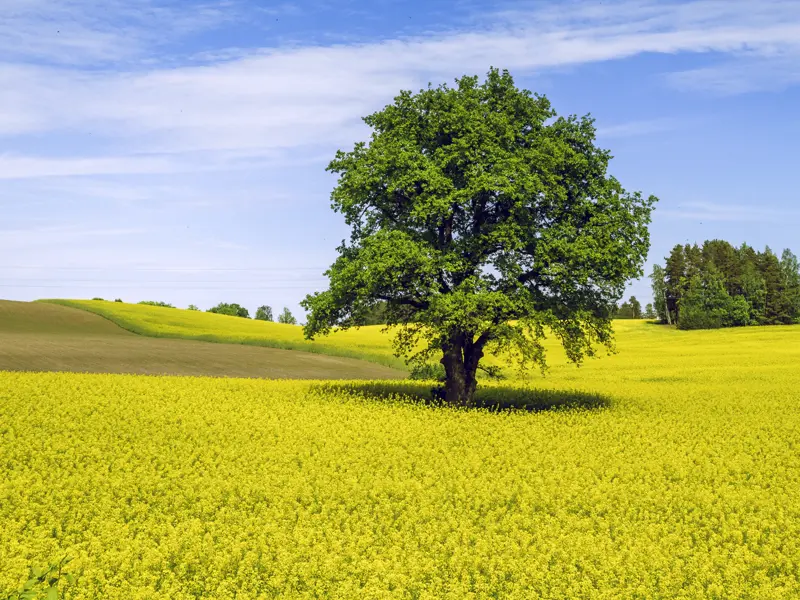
176, 150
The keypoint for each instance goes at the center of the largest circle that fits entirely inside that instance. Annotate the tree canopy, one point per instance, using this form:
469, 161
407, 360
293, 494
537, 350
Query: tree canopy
286, 317
481, 219
263, 313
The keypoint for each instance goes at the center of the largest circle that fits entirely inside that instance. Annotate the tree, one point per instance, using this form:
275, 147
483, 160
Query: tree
777, 304
650, 312
636, 307
264, 313
659, 284
232, 310
707, 304
481, 219
624, 311
192, 307
724, 257
675, 281
790, 268
287, 317
632, 309
754, 291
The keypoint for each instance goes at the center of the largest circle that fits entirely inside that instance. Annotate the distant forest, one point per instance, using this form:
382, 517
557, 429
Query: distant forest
719, 285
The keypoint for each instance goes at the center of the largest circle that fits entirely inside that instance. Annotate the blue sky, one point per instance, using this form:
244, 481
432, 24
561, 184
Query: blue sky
155, 149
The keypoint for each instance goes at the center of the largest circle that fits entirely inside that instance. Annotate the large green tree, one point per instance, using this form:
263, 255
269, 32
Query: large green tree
482, 220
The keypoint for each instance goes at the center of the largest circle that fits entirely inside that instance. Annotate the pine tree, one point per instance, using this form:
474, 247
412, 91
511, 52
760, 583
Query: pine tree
777, 305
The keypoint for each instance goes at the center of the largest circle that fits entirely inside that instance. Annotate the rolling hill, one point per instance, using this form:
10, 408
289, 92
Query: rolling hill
39, 336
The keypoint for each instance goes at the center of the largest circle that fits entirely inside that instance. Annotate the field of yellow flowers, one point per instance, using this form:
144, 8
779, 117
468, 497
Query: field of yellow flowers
683, 483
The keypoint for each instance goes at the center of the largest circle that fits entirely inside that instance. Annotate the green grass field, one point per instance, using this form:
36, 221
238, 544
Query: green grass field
38, 336
677, 478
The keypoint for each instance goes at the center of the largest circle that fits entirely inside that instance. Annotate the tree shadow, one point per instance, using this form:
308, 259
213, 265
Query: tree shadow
494, 398
659, 323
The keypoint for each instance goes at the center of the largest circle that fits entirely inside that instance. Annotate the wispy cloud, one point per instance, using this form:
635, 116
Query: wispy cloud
18, 239
23, 167
263, 102
97, 32
746, 75
644, 127
711, 211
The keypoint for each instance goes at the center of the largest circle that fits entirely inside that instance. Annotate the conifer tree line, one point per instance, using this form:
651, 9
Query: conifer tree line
719, 285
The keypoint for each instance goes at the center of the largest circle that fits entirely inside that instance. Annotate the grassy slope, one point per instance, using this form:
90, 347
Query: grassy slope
172, 487
38, 336
367, 343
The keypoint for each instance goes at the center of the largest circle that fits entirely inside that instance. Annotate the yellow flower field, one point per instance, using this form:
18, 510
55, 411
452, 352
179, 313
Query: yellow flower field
684, 486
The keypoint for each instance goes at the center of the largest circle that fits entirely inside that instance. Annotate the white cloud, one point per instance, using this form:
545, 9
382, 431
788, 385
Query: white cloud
82, 32
258, 104
23, 167
747, 75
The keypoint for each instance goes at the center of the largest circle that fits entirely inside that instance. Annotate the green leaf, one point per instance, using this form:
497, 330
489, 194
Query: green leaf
52, 593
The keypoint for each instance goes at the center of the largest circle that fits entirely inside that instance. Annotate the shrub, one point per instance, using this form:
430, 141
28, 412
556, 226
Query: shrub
156, 303
428, 372
232, 310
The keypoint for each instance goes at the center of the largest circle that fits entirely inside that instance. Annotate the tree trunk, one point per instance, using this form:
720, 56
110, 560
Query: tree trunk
460, 360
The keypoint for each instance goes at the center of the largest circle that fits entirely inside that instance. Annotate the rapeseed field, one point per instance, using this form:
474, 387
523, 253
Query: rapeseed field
682, 483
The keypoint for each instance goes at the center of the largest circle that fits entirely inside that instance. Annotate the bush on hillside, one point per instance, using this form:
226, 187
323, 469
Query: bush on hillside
230, 309
156, 303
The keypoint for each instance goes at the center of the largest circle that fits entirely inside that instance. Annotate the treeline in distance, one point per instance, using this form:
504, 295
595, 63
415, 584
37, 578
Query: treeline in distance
719, 285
